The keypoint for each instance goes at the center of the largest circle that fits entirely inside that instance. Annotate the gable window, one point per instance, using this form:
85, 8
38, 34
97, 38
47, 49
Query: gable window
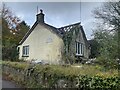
26, 50
79, 49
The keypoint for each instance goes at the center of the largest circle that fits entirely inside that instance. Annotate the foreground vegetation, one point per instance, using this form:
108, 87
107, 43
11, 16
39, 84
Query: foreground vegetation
46, 76
90, 70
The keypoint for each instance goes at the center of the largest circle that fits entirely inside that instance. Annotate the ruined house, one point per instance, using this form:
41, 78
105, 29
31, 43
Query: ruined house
44, 42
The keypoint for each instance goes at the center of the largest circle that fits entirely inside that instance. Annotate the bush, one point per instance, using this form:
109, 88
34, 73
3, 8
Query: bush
107, 62
10, 53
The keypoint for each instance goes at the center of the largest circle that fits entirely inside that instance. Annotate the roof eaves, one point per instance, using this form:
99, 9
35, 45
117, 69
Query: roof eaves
28, 33
53, 29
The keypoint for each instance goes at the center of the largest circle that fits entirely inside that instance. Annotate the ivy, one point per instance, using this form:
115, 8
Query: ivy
69, 37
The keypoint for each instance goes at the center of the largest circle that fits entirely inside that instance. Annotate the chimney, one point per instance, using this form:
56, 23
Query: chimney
40, 16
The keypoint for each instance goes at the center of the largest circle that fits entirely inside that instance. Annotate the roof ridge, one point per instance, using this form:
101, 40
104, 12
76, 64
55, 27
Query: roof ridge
59, 32
70, 25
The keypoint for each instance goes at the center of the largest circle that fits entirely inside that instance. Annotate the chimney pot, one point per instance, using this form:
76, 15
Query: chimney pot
40, 16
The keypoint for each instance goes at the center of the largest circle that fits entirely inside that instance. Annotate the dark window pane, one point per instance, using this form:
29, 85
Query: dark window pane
81, 48
78, 48
25, 50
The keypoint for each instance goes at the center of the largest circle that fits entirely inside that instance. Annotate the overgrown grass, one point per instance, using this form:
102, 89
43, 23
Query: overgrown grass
89, 70
75, 71
85, 75
18, 65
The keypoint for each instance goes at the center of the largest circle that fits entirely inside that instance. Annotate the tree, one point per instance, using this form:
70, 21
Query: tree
109, 13
94, 48
107, 34
13, 30
11, 19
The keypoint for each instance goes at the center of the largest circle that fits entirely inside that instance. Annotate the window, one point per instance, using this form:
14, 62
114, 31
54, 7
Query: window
18, 49
25, 50
79, 49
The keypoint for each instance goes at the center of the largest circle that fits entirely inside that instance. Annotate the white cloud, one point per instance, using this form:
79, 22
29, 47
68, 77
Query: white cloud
56, 14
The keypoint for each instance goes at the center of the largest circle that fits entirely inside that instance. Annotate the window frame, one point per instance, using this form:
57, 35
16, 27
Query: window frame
79, 49
25, 51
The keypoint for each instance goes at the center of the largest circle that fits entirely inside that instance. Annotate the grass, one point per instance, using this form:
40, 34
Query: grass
92, 76
88, 70
21, 65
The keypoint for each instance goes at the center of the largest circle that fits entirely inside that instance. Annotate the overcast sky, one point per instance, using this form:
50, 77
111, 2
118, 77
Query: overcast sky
57, 14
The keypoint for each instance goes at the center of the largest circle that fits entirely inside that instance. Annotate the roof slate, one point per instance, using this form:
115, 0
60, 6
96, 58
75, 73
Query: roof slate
58, 31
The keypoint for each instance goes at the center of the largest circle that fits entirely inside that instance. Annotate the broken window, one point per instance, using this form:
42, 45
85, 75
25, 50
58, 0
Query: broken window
79, 49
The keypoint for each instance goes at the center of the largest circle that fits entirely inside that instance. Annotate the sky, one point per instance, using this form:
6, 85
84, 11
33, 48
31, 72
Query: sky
58, 14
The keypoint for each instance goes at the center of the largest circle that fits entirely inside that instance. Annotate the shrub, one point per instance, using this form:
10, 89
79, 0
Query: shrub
107, 62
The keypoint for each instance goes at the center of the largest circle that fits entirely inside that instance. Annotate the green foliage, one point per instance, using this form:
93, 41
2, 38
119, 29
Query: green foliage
107, 62
17, 65
107, 33
69, 38
10, 41
13, 30
94, 45
108, 49
66, 70
47, 76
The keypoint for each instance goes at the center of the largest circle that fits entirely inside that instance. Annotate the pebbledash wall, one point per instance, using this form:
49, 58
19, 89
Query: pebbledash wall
43, 45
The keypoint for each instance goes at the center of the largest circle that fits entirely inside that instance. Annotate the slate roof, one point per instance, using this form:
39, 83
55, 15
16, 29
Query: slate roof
54, 30
58, 31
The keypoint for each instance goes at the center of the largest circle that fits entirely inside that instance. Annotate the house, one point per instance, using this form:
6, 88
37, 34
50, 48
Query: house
51, 44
